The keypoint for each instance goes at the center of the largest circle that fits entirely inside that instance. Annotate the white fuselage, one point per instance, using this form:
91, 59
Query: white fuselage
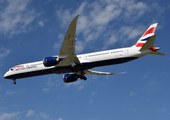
88, 61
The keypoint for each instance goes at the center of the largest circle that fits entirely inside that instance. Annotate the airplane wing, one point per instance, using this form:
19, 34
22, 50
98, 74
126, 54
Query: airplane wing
68, 46
67, 51
69, 60
89, 72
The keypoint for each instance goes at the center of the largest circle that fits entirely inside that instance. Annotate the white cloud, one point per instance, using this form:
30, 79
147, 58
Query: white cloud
72, 83
4, 52
163, 109
65, 16
41, 23
60, 119
93, 93
111, 40
77, 83
16, 16
136, 9
132, 93
152, 86
90, 101
44, 116
46, 89
81, 8
130, 32
146, 75
67, 85
132, 109
80, 87
57, 45
6, 116
79, 46
8, 92
102, 16
30, 113
51, 83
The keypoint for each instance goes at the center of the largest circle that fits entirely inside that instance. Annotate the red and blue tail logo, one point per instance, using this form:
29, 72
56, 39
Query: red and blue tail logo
149, 32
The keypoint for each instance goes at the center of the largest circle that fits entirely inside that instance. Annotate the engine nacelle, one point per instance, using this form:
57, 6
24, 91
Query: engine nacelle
68, 78
50, 61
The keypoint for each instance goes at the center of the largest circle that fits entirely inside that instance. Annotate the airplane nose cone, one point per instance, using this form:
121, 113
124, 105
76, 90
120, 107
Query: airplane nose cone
6, 76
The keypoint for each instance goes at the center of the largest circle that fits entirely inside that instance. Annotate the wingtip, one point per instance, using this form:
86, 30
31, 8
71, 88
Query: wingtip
120, 73
78, 15
123, 72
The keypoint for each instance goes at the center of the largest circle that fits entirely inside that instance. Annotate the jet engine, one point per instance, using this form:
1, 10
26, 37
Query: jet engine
68, 78
50, 61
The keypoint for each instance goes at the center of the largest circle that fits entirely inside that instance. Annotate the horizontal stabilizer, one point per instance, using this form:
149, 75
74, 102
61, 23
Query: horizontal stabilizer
157, 53
89, 72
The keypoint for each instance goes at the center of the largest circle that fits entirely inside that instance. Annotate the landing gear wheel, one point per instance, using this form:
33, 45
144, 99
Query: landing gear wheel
14, 82
83, 77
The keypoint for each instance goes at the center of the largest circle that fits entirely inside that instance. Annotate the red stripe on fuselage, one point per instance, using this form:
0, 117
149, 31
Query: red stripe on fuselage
17, 66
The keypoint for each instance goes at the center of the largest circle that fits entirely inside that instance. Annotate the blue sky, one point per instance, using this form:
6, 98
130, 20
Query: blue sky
32, 30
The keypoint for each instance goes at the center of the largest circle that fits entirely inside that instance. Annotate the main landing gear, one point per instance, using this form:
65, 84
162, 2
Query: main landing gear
80, 74
14, 81
83, 77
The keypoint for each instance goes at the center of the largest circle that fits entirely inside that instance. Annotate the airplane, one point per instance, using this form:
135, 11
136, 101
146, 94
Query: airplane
76, 66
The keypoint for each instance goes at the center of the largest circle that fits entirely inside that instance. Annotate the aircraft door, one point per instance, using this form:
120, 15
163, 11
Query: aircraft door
126, 52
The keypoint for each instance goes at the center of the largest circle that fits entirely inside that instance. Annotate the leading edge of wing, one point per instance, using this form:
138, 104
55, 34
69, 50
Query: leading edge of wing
89, 72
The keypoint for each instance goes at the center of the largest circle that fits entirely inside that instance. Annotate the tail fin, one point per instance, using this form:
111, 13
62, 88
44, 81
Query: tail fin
146, 41
145, 37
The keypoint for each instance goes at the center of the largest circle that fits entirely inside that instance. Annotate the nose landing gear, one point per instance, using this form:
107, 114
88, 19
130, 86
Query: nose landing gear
14, 81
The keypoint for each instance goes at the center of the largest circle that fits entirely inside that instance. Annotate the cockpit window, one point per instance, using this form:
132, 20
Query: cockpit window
11, 69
